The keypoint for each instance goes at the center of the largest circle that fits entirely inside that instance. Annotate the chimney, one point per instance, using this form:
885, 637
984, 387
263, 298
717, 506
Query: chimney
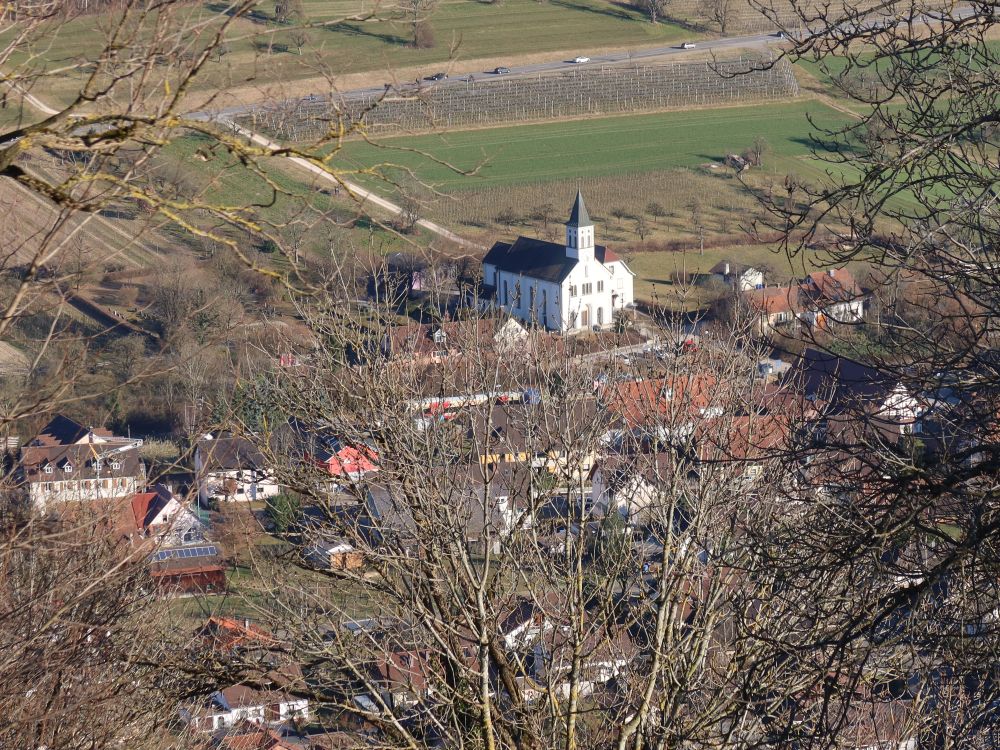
831, 272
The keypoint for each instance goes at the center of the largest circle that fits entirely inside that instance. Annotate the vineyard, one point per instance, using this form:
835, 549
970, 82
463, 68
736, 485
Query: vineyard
617, 202
500, 101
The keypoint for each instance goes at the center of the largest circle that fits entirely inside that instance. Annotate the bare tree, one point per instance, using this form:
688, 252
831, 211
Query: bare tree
719, 12
655, 9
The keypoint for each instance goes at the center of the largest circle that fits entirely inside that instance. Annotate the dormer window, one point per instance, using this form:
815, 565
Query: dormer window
440, 336
48, 469
67, 468
97, 464
116, 465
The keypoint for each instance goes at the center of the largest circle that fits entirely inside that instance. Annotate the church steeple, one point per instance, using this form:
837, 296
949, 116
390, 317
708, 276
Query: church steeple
579, 232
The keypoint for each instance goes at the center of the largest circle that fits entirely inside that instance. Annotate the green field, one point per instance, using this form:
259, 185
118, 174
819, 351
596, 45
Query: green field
587, 148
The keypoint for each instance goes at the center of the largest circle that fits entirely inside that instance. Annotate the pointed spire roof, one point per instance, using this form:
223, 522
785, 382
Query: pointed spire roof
579, 216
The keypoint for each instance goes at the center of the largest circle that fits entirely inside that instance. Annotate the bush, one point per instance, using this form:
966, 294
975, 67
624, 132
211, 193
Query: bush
284, 510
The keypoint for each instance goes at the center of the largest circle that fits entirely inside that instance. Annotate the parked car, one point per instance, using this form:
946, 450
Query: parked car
688, 45
581, 59
501, 71
437, 77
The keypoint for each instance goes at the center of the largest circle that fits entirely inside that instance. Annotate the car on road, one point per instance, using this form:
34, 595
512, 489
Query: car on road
688, 45
436, 77
501, 71
581, 59
780, 35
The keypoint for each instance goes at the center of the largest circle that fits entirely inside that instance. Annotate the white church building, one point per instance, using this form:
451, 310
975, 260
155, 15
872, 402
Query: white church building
566, 288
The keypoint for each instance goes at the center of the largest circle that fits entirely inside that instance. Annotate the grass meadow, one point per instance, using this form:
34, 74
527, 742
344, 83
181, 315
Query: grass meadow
570, 150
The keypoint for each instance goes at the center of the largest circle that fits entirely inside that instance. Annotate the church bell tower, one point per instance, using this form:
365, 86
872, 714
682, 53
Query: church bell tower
580, 232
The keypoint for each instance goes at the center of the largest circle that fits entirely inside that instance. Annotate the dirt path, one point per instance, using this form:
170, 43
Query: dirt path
356, 191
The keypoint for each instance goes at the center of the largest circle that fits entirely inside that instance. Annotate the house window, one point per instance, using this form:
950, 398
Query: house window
572, 290
600, 316
600, 286
517, 294
116, 465
532, 299
545, 307
588, 289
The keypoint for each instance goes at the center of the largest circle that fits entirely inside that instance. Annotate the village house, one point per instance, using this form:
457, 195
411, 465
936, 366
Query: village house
604, 655
533, 434
486, 504
191, 569
738, 276
564, 288
322, 449
232, 469
821, 298
272, 704
69, 463
161, 519
239, 703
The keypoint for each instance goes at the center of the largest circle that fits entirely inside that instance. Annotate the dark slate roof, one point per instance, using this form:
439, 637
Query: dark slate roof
579, 216
538, 259
229, 453
838, 380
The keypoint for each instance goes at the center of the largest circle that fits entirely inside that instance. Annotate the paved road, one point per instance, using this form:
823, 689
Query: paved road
754, 40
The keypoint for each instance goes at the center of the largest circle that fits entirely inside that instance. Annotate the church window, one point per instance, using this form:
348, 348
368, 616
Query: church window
588, 289
506, 293
600, 316
517, 294
600, 286
572, 290
532, 298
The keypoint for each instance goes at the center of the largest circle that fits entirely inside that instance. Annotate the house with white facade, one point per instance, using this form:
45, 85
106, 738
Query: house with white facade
232, 469
69, 463
565, 288
272, 704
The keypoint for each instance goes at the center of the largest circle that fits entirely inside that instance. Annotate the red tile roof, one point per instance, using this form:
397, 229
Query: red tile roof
639, 402
774, 299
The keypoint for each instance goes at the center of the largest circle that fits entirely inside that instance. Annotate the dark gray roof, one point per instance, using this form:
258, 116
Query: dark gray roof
229, 453
579, 216
539, 259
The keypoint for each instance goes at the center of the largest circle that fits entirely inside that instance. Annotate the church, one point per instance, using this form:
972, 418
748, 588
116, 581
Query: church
565, 288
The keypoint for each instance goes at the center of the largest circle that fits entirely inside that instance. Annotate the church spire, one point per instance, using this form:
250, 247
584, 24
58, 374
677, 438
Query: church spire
579, 217
579, 232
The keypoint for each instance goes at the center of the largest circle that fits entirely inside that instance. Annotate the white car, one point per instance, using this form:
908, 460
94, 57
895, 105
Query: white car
581, 59
687, 45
